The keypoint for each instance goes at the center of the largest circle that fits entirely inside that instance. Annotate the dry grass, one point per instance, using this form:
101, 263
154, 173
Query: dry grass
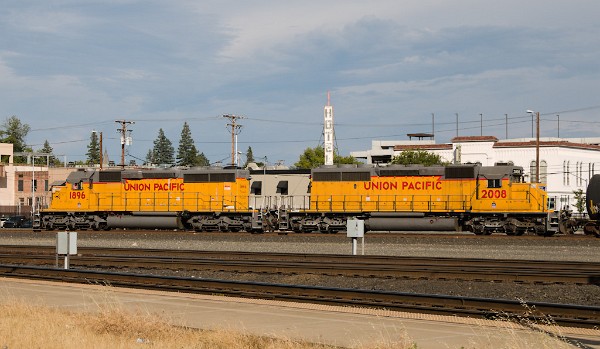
35, 326
24, 325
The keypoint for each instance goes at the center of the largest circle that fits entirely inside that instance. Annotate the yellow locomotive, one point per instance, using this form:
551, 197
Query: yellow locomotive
167, 199
462, 197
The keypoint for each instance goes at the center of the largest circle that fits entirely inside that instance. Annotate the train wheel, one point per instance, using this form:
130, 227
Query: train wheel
510, 229
592, 228
478, 229
541, 231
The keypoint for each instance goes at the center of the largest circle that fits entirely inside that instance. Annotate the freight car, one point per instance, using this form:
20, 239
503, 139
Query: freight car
462, 197
592, 203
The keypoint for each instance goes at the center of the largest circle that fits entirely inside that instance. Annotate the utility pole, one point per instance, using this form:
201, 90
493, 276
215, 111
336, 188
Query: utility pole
481, 123
537, 148
235, 130
537, 143
456, 124
124, 138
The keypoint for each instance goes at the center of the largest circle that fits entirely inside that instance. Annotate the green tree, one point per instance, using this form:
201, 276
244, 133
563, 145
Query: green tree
13, 131
93, 153
579, 200
202, 160
187, 154
249, 156
149, 157
411, 157
315, 157
163, 151
47, 149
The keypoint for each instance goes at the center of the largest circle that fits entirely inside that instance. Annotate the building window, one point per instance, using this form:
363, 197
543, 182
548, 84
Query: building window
20, 185
568, 173
532, 171
45, 185
34, 185
543, 171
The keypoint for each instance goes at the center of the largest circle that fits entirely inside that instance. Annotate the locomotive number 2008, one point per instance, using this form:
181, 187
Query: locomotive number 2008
493, 194
76, 195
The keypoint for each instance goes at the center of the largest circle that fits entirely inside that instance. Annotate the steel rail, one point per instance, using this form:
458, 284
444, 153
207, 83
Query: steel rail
333, 265
534, 312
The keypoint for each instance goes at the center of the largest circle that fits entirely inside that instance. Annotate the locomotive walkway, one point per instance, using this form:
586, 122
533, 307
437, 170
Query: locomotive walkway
341, 326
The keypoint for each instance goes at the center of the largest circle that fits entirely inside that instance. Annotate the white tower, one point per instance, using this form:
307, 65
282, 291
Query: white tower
328, 133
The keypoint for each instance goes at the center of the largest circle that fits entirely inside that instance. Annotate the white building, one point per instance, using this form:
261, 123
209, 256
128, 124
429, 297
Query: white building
566, 164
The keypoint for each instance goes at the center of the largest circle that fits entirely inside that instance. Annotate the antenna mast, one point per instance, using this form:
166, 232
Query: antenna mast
328, 132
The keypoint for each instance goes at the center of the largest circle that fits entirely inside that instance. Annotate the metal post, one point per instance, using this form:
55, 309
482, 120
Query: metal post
101, 151
481, 121
537, 149
354, 246
456, 124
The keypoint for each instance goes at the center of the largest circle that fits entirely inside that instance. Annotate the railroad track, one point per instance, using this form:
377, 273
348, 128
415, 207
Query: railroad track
463, 269
535, 312
341, 235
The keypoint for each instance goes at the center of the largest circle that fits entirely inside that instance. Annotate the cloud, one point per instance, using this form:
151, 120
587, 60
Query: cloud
386, 63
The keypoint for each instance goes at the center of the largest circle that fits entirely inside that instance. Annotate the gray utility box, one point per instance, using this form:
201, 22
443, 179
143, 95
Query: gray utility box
355, 228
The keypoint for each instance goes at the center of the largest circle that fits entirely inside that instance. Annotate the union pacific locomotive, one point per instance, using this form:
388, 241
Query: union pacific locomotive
480, 199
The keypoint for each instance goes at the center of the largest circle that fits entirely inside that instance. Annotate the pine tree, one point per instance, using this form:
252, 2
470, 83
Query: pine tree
93, 153
149, 157
202, 160
187, 154
249, 157
163, 152
47, 149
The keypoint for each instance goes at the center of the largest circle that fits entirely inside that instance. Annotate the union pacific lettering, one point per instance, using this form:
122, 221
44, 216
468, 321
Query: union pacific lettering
153, 186
404, 185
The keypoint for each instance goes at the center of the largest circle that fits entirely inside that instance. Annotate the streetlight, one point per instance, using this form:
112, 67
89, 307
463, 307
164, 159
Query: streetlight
537, 145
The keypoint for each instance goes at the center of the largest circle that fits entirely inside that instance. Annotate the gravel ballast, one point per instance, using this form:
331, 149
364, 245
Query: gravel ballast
434, 245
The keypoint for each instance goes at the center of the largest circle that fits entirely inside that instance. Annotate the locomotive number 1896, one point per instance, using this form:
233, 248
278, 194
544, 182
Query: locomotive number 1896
493, 194
76, 195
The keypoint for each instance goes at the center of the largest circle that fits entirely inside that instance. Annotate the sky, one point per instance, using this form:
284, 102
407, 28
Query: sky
70, 67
